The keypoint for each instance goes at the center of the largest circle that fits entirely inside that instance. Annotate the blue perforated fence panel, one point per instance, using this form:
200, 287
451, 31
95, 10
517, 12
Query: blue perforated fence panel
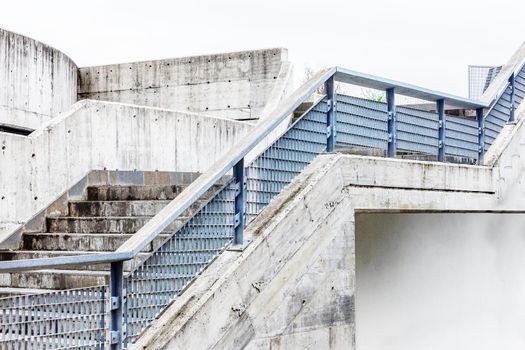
417, 131
276, 167
462, 137
361, 123
182, 256
499, 114
68, 319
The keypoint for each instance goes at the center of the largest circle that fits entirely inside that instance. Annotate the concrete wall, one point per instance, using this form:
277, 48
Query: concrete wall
36, 81
293, 287
440, 281
103, 135
232, 85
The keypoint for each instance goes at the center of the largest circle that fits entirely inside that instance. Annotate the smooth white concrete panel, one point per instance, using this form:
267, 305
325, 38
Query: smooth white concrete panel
440, 281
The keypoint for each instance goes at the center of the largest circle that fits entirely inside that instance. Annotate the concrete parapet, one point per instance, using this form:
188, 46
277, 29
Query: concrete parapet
234, 85
36, 81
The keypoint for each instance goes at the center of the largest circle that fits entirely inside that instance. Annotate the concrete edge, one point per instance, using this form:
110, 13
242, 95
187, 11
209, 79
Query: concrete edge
282, 51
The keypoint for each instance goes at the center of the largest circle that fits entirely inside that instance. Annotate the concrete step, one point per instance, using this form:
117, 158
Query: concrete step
123, 208
73, 242
40, 254
54, 279
116, 208
121, 193
102, 224
6, 292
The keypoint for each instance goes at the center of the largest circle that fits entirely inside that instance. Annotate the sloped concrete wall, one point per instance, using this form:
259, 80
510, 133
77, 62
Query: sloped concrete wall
36, 81
97, 135
233, 85
293, 287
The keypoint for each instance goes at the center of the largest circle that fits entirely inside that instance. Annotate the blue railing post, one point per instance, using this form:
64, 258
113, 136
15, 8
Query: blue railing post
117, 301
330, 117
512, 80
481, 134
391, 110
240, 202
440, 105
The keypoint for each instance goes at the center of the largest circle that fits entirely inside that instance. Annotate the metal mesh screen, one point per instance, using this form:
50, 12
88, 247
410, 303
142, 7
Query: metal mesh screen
68, 319
479, 78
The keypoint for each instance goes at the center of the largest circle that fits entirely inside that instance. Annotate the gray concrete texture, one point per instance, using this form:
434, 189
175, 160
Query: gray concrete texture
98, 135
233, 85
37, 82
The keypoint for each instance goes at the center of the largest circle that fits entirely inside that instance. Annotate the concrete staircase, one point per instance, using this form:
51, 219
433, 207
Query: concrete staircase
107, 217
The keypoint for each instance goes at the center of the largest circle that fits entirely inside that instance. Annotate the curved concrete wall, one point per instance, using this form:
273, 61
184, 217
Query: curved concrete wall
36, 81
233, 85
97, 135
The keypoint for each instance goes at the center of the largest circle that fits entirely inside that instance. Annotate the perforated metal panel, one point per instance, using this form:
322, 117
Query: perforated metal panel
68, 319
164, 274
277, 166
361, 123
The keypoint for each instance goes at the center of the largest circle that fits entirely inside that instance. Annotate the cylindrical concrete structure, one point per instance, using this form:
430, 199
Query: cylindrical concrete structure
36, 81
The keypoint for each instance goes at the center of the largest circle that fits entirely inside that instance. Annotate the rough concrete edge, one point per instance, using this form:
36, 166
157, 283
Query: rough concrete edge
42, 43
87, 103
281, 50
258, 229
501, 79
280, 90
504, 138
10, 240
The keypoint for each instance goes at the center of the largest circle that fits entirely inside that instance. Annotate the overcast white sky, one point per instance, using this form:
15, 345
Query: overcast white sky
428, 43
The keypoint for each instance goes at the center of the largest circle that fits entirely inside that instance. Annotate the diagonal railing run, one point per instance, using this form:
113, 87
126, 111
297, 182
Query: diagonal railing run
114, 315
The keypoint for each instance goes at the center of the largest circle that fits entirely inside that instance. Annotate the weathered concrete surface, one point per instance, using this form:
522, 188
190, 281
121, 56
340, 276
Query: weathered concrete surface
506, 157
293, 287
234, 85
36, 81
97, 135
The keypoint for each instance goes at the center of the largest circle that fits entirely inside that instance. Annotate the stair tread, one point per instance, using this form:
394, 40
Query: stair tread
109, 234
99, 217
60, 252
21, 290
123, 201
65, 272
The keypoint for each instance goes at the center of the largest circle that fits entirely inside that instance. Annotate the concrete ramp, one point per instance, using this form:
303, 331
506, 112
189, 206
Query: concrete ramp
293, 287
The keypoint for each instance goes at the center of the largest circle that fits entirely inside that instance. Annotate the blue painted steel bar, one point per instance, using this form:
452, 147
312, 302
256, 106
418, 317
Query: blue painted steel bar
116, 334
440, 104
512, 81
240, 202
330, 116
481, 134
348, 76
391, 110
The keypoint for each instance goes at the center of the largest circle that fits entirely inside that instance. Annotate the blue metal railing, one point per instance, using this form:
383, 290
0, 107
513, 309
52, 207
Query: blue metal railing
131, 302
